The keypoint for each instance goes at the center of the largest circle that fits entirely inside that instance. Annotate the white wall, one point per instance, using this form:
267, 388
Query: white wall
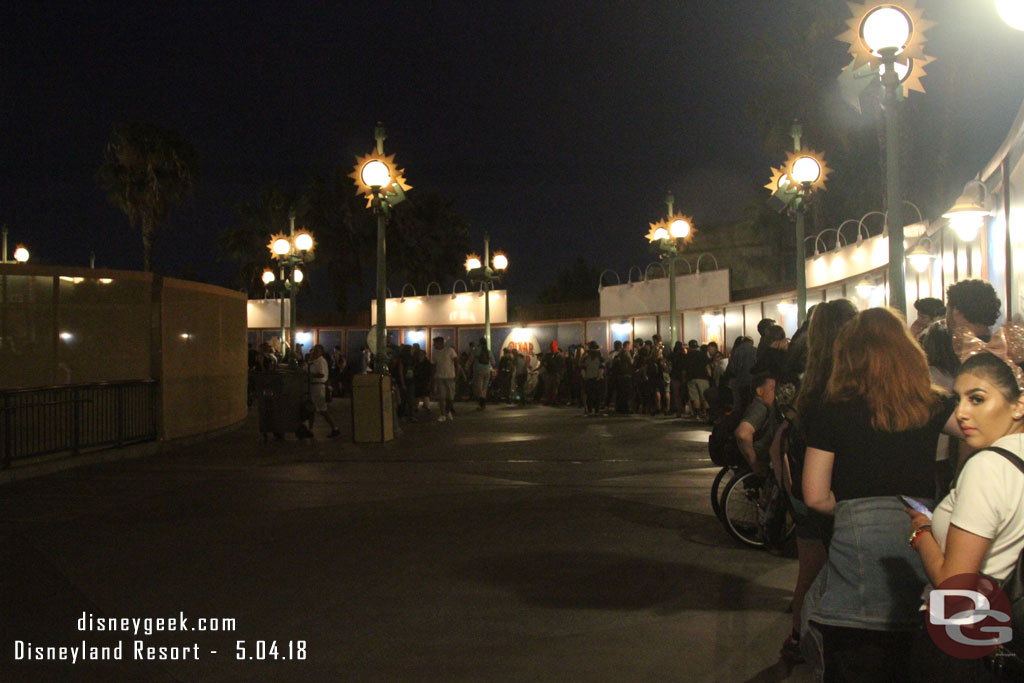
466, 308
698, 290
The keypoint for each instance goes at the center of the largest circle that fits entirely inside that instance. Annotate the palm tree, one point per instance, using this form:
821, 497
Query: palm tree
148, 171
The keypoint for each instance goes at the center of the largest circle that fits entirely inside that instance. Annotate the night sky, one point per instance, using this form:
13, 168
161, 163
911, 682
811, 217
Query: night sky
556, 126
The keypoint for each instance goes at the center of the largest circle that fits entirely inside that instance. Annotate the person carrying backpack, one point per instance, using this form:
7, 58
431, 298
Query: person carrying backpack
979, 527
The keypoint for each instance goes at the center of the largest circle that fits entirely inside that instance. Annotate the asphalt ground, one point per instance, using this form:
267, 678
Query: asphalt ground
511, 544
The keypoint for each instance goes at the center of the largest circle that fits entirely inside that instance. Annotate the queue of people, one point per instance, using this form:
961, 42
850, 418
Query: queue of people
856, 404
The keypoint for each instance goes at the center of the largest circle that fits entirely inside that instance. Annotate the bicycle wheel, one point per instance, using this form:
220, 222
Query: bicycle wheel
716, 488
741, 513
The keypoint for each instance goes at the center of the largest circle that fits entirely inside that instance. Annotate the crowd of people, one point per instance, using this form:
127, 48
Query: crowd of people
863, 421
860, 419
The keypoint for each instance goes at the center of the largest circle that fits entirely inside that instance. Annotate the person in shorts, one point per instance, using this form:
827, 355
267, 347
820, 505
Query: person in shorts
446, 366
319, 374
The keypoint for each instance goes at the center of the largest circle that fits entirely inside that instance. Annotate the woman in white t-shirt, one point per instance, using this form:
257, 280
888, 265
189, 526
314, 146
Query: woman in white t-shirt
979, 526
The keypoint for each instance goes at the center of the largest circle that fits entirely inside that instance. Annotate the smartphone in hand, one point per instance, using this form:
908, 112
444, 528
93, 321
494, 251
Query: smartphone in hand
916, 505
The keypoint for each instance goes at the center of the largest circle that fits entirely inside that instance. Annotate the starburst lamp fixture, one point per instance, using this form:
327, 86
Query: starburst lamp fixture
268, 276
676, 227
880, 31
807, 168
280, 246
20, 254
876, 27
303, 241
472, 262
500, 261
376, 173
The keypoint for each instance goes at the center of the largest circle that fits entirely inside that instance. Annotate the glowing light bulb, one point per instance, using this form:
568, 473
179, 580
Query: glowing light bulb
375, 173
679, 229
886, 27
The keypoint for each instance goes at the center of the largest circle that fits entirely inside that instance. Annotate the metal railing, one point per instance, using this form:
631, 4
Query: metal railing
75, 417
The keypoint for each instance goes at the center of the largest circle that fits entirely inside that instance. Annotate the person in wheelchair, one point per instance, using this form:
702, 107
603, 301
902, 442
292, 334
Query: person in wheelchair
757, 427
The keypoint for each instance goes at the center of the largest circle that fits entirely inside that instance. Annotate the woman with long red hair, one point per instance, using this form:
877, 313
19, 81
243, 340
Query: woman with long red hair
870, 441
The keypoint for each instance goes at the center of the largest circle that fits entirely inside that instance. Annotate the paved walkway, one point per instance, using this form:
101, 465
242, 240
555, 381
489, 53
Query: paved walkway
512, 544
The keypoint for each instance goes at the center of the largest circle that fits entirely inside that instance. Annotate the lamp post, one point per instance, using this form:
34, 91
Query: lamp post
381, 182
20, 252
671, 235
481, 271
792, 185
291, 252
890, 36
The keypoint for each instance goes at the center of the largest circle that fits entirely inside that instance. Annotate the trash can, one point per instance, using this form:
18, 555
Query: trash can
279, 398
372, 419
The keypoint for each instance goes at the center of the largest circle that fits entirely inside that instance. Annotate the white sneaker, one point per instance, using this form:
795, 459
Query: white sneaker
441, 419
451, 417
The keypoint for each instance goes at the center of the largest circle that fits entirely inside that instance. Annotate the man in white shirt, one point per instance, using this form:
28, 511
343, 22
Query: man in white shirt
318, 376
446, 364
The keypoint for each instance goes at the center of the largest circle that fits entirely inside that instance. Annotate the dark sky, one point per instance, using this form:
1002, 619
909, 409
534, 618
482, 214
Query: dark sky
557, 126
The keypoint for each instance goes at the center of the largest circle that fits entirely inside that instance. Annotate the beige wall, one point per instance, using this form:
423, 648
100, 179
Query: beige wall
203, 360
78, 325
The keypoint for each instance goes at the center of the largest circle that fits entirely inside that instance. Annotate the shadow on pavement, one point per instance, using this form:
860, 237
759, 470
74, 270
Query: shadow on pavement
611, 581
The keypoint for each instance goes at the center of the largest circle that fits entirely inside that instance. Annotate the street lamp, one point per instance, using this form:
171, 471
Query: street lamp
671, 235
290, 251
968, 214
1012, 12
20, 252
804, 172
479, 271
890, 36
381, 182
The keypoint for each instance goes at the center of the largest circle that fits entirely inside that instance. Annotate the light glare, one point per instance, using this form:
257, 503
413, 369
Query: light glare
500, 261
303, 241
21, 254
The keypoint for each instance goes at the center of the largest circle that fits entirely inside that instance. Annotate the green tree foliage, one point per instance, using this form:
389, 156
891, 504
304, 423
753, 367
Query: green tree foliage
578, 282
146, 173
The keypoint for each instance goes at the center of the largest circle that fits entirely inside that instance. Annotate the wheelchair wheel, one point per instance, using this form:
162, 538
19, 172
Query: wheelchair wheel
742, 515
716, 491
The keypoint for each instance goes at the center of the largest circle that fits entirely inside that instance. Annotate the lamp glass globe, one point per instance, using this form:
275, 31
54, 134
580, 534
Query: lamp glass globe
1012, 12
21, 254
886, 27
268, 276
679, 229
281, 246
661, 234
500, 262
375, 174
297, 275
806, 170
303, 241
472, 263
